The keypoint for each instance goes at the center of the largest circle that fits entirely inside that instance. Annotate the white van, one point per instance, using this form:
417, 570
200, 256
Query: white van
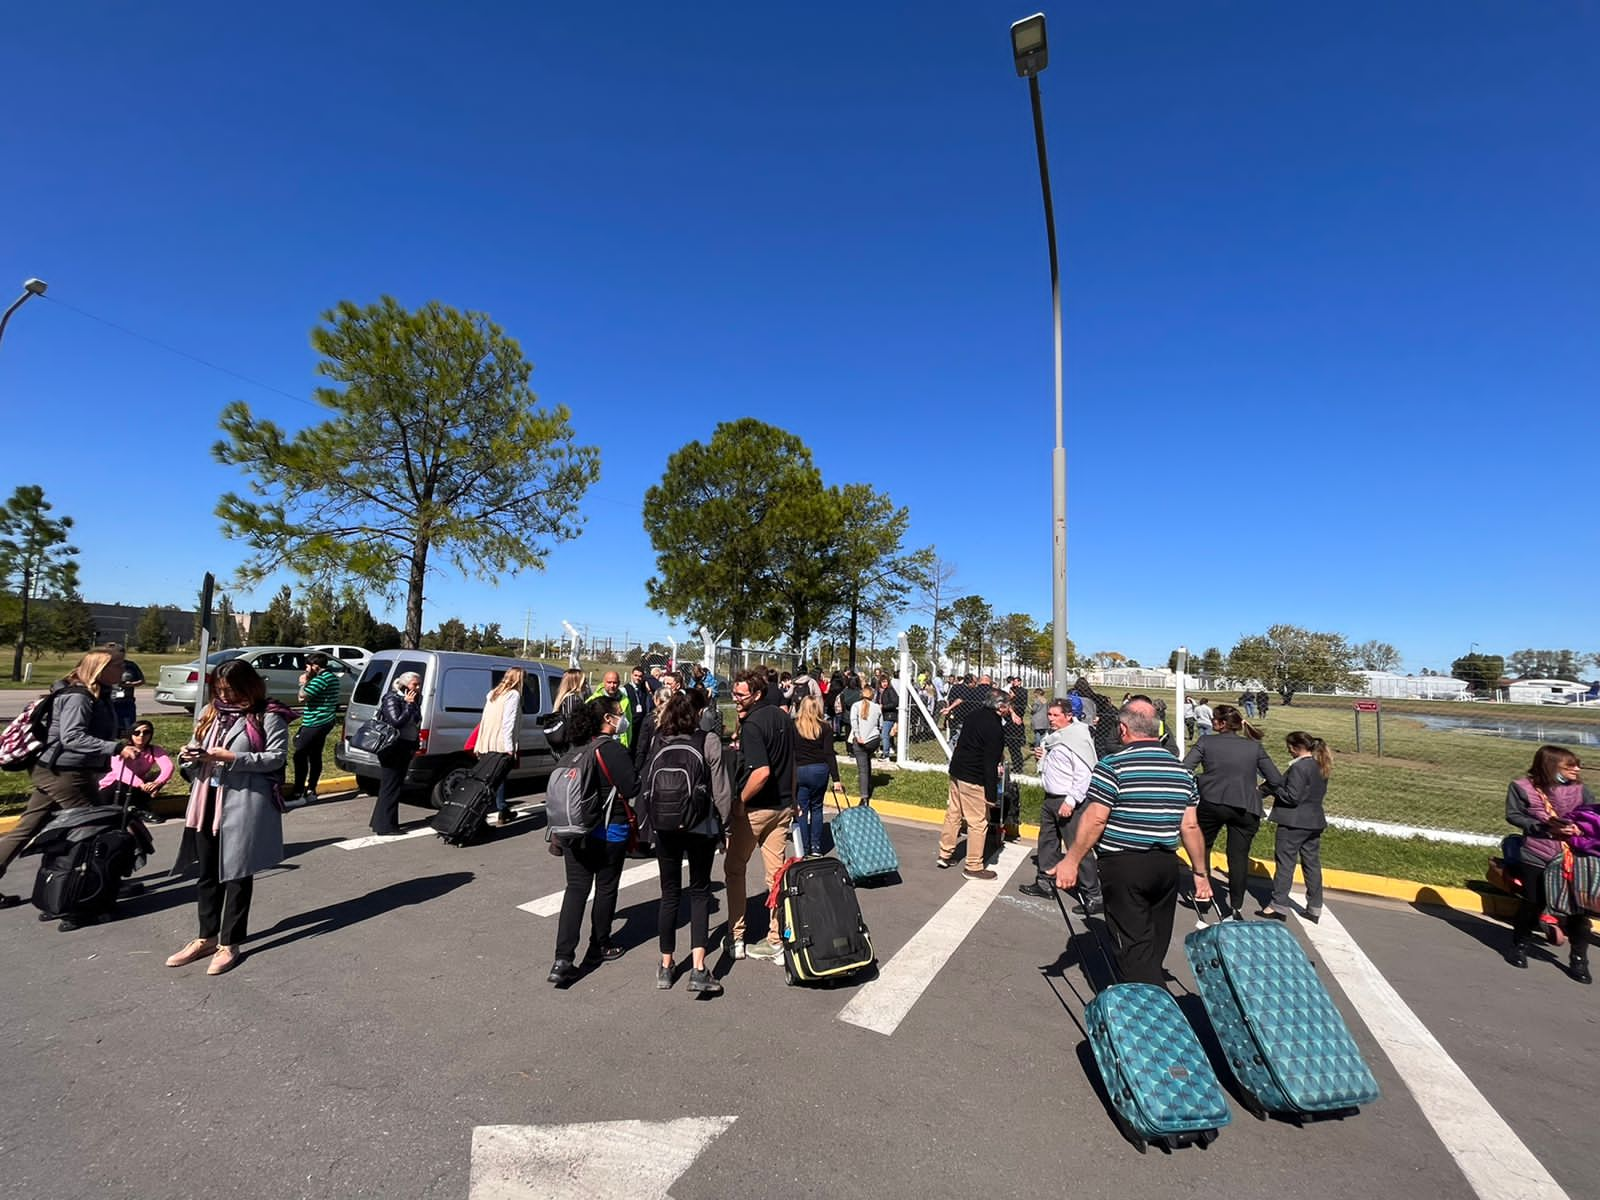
454, 685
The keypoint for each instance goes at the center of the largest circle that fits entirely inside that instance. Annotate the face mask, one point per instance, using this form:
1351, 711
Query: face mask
622, 726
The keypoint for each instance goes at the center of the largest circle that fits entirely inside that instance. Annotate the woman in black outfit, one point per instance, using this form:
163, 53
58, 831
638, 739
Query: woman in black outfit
595, 862
1229, 767
402, 711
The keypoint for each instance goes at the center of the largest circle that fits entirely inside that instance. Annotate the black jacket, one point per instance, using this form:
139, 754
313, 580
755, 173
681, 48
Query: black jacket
976, 758
1231, 764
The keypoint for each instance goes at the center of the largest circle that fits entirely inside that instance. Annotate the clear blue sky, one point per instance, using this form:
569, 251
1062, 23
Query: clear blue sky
1332, 282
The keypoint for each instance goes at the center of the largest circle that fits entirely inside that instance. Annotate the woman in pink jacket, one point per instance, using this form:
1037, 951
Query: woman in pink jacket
135, 773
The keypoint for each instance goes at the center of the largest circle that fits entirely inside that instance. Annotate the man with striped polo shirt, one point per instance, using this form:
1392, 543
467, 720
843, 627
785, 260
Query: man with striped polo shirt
1141, 802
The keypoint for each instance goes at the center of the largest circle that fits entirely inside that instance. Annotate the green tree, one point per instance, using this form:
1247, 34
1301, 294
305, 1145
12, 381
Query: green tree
225, 623
1544, 664
1375, 656
150, 635
354, 624
917, 643
36, 560
72, 628
1211, 661
436, 446
322, 613
384, 637
1017, 637
1289, 659
452, 634
877, 571
725, 522
938, 593
1172, 661
283, 624
1481, 672
974, 618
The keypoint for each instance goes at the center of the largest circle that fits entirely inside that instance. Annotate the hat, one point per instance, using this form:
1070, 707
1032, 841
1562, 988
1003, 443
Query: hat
1077, 704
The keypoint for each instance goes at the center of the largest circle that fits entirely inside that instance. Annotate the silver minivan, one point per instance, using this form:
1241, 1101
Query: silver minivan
454, 685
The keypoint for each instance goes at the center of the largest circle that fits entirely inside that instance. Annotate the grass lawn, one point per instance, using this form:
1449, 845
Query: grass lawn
171, 733
1347, 850
47, 668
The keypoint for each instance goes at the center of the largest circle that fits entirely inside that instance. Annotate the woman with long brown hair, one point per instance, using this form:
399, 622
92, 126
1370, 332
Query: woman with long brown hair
1297, 812
1540, 805
1229, 767
235, 814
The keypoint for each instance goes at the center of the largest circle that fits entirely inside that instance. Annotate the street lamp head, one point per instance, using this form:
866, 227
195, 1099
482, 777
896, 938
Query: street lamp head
1028, 47
34, 287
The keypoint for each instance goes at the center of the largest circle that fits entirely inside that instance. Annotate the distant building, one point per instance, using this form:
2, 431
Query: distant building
1546, 691
1387, 685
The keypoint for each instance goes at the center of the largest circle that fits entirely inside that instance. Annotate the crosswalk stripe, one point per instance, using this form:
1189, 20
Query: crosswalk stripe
549, 906
882, 1003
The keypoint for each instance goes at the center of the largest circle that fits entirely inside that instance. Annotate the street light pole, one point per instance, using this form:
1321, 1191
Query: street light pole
1030, 52
30, 289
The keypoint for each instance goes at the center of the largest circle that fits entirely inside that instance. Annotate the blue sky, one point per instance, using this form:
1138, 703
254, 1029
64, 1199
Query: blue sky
1331, 283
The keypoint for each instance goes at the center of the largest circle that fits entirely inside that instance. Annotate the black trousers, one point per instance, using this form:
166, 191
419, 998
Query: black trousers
224, 907
308, 742
1576, 925
1242, 827
671, 850
1141, 896
392, 764
591, 864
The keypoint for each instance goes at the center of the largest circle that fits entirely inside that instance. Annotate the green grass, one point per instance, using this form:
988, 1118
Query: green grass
171, 733
1437, 863
47, 668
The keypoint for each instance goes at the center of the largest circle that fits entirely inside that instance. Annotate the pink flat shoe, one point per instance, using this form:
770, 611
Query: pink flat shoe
223, 961
195, 950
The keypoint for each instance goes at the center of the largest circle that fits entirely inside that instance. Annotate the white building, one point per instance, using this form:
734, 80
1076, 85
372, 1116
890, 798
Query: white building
1390, 686
1546, 691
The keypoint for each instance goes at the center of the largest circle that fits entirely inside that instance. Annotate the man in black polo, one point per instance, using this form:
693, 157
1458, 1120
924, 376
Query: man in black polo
763, 808
974, 783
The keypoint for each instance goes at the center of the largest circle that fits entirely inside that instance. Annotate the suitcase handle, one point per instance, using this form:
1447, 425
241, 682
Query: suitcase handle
1072, 932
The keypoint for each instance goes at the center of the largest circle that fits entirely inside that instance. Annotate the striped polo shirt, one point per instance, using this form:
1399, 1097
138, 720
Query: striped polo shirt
1147, 790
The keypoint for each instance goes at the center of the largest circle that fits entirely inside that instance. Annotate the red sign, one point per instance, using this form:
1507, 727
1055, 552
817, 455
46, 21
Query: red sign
1366, 706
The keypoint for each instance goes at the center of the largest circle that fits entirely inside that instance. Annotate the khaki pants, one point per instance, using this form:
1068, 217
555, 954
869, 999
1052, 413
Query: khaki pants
51, 790
967, 803
747, 829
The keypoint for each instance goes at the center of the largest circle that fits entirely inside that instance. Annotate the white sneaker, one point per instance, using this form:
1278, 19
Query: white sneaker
738, 948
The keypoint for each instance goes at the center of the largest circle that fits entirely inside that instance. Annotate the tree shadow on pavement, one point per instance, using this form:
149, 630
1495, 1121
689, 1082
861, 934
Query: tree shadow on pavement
331, 918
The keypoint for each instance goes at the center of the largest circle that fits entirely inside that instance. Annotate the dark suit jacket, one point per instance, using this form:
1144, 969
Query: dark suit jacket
1300, 795
1230, 765
643, 701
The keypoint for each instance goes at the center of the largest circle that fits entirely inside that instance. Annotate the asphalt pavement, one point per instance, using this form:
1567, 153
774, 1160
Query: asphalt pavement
392, 1013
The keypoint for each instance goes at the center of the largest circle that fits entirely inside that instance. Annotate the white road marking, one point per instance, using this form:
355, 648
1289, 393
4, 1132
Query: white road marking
882, 1003
549, 906
1494, 1160
373, 839
595, 1160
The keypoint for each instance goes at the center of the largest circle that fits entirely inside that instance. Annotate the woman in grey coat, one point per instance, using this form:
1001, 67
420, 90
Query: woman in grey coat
235, 814
1229, 767
1301, 820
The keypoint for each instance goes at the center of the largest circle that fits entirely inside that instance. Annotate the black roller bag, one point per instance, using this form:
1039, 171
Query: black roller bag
825, 938
85, 855
465, 800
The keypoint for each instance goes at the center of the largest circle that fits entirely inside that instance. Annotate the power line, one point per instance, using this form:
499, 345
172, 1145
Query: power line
195, 358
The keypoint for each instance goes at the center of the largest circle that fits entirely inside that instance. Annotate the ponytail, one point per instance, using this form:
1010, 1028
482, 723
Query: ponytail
1231, 719
1318, 749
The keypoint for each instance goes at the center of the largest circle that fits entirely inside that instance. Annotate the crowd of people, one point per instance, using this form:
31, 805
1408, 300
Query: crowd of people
1118, 800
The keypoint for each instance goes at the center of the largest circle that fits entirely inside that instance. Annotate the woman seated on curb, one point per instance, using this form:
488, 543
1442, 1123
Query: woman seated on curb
1541, 805
135, 772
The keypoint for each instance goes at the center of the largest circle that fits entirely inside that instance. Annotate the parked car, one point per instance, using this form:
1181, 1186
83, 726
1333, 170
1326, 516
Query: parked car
454, 685
280, 666
355, 656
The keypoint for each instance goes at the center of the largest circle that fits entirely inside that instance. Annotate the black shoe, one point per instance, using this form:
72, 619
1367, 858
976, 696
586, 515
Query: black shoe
1271, 914
1093, 909
1579, 970
1040, 888
10, 901
1313, 915
1517, 956
663, 978
150, 818
703, 983
596, 955
562, 972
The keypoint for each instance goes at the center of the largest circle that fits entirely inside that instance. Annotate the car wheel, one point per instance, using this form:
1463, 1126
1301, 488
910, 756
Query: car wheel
367, 784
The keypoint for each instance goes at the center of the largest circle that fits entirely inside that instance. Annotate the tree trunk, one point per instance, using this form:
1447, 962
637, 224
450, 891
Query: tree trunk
22, 631
411, 638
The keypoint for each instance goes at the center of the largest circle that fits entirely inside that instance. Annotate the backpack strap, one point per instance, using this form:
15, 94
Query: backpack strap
600, 761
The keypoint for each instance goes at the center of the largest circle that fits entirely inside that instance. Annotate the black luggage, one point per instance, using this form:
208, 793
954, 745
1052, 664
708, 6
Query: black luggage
464, 802
825, 938
1005, 818
85, 855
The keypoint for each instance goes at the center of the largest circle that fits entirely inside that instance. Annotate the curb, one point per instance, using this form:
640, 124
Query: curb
1408, 891
173, 805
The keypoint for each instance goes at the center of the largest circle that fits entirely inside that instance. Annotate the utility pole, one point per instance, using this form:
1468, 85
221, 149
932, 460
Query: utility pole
527, 623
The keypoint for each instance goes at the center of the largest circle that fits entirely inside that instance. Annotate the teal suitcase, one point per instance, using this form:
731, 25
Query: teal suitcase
1284, 1038
862, 843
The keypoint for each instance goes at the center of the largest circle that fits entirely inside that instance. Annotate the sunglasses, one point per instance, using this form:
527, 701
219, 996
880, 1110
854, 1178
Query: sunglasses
141, 733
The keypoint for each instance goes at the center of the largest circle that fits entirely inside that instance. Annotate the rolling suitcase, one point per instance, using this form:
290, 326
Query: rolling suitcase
862, 843
1154, 1068
464, 804
825, 938
85, 854
1287, 1044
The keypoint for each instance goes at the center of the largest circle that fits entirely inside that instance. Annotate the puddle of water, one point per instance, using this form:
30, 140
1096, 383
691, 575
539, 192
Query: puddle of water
1522, 731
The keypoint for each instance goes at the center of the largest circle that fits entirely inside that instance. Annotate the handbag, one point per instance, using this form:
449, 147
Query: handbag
375, 736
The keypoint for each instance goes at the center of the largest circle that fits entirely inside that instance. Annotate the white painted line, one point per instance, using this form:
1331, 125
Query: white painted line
1493, 1159
595, 1160
1386, 829
373, 839
882, 1003
549, 906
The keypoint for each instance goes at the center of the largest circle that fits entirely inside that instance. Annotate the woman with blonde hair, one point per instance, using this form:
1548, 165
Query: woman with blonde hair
498, 742
557, 723
815, 764
866, 729
235, 814
80, 742
1297, 812
1228, 770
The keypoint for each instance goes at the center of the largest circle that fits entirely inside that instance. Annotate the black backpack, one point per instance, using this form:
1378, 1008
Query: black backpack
677, 785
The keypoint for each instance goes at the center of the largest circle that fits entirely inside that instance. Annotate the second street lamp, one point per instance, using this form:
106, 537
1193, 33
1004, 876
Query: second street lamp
1030, 51
30, 289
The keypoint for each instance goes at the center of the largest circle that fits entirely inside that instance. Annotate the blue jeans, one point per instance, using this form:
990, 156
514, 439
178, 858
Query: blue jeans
888, 736
810, 790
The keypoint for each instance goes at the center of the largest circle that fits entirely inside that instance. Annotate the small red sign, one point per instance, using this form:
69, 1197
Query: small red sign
1366, 706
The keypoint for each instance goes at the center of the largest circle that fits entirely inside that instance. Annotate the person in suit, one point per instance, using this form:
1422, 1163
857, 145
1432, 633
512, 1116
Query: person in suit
1297, 812
640, 694
1229, 767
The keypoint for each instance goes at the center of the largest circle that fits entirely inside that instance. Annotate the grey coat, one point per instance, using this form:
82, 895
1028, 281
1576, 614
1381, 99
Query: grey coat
1231, 764
251, 835
1299, 797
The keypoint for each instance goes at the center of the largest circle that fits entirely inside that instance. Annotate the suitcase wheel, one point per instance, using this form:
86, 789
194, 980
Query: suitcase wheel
788, 972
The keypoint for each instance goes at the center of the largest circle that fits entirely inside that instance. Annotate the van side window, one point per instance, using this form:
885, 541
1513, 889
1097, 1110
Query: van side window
464, 689
370, 688
530, 693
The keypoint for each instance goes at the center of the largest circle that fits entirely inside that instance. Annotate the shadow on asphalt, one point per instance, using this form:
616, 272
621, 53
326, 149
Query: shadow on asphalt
341, 915
1495, 936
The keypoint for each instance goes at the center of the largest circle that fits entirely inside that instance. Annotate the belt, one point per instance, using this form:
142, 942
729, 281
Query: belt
1048, 796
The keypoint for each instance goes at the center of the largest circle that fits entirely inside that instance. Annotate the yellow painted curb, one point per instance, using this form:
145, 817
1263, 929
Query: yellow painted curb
173, 805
